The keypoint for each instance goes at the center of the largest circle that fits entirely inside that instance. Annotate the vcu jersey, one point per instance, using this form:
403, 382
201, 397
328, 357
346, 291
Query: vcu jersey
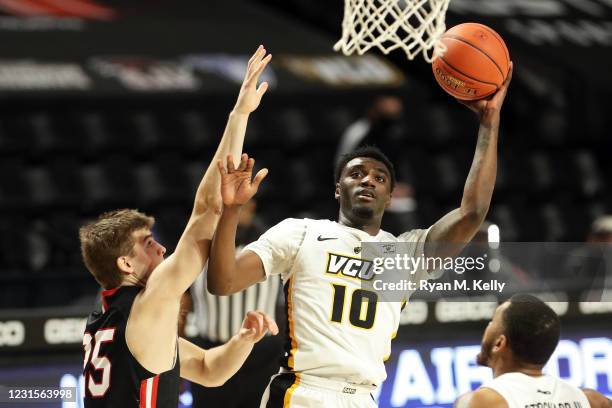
335, 329
523, 391
113, 377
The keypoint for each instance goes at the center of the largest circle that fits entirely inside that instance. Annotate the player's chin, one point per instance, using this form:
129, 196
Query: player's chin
482, 359
363, 210
373, 204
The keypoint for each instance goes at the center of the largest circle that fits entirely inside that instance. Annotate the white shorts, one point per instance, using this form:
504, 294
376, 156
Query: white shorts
295, 390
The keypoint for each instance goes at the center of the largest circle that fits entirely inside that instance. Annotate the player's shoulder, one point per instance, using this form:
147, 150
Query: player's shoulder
483, 397
596, 400
413, 235
303, 223
292, 222
565, 386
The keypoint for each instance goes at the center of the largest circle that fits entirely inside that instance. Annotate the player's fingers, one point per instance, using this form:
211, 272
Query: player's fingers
230, 164
254, 64
254, 319
258, 322
261, 174
506, 83
500, 95
262, 89
248, 333
221, 167
256, 69
251, 68
255, 54
261, 56
270, 324
244, 159
264, 323
250, 164
261, 66
510, 72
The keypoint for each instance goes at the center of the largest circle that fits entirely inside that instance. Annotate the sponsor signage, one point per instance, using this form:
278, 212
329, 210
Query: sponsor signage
65, 332
420, 373
29, 75
41, 333
434, 374
195, 73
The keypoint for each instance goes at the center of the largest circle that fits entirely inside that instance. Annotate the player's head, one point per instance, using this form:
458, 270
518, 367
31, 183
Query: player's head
523, 331
119, 247
365, 179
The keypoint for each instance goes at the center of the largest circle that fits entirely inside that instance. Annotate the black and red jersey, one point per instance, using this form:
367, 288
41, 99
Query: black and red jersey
113, 377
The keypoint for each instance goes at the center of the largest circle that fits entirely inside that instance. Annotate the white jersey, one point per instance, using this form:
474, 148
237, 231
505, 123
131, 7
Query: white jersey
331, 335
523, 391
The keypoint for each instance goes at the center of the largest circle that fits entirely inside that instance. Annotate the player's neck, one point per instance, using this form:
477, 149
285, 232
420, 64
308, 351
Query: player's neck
531, 370
132, 280
371, 226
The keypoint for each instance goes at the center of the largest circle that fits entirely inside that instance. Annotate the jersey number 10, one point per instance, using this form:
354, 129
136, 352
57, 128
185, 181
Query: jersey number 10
358, 298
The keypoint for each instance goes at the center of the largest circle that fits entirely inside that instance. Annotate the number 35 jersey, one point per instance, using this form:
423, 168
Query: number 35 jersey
336, 329
113, 377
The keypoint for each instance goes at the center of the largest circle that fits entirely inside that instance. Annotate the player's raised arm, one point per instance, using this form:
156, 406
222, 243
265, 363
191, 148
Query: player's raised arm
460, 225
177, 273
226, 275
249, 98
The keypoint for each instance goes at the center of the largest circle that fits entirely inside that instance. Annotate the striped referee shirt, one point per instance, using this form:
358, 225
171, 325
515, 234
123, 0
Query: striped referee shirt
218, 318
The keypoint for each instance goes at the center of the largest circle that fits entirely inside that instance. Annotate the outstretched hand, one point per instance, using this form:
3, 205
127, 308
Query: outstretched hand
250, 95
236, 185
256, 325
488, 109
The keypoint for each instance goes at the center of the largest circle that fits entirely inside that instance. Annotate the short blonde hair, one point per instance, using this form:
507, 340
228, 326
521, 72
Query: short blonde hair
108, 238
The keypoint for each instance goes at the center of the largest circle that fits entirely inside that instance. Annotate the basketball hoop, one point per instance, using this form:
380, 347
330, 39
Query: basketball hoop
412, 25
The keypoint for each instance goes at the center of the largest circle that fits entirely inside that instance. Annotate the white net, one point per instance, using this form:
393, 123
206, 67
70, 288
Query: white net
412, 25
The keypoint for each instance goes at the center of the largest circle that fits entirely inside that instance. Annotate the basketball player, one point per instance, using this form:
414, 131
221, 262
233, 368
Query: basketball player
132, 354
338, 334
517, 343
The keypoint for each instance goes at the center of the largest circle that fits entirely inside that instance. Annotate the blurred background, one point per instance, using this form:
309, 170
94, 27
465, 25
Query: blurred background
109, 104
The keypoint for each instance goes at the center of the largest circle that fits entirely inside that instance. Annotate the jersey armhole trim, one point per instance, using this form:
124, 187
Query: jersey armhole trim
127, 344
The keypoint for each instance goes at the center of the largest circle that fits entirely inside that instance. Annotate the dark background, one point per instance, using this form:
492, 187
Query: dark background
72, 148
121, 104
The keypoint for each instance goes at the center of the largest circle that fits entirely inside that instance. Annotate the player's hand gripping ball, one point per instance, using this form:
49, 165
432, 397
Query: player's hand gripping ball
476, 62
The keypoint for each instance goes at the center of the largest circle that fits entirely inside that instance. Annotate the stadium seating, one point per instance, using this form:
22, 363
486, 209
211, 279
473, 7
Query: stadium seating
62, 166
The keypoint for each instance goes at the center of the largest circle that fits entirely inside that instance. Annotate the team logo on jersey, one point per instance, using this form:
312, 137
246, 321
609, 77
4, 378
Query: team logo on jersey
321, 238
349, 266
544, 392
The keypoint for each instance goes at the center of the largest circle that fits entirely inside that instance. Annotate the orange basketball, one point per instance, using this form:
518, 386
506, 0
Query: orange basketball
475, 63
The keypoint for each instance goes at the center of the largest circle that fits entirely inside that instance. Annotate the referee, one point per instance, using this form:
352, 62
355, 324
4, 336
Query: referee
218, 317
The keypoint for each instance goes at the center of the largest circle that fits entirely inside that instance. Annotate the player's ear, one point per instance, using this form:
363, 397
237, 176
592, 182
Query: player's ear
124, 265
337, 192
501, 342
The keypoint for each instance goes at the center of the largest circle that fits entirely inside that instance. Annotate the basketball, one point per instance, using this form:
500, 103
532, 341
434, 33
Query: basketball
475, 63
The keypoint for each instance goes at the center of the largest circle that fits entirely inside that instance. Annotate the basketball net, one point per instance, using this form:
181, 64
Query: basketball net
412, 25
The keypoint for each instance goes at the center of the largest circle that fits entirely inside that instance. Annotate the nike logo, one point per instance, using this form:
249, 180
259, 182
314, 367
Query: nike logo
320, 238
544, 392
